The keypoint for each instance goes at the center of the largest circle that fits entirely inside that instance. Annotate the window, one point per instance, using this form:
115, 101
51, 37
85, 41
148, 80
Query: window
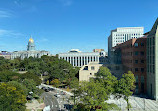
142, 70
142, 61
136, 78
117, 68
92, 68
136, 53
142, 44
136, 61
142, 53
136, 44
85, 68
136, 69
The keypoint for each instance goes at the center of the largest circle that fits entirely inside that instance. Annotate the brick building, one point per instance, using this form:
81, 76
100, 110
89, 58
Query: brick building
132, 55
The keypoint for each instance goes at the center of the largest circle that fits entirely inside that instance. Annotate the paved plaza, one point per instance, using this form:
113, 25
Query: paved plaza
137, 103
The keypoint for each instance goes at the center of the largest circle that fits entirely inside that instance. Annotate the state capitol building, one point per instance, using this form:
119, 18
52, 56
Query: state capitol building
31, 52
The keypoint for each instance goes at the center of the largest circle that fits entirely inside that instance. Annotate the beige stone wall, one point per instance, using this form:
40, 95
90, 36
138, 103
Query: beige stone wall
85, 75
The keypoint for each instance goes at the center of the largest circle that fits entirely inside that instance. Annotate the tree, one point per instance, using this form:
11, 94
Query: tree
125, 87
30, 85
11, 98
30, 75
105, 77
6, 76
93, 95
55, 82
19, 86
74, 84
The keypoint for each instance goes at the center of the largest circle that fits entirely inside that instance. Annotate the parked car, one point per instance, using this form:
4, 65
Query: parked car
57, 95
47, 90
51, 89
62, 93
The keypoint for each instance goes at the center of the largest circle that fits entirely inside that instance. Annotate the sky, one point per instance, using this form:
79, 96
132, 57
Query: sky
60, 25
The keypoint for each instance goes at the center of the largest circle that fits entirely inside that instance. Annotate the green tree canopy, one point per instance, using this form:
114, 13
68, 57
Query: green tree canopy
11, 98
6, 76
105, 77
126, 86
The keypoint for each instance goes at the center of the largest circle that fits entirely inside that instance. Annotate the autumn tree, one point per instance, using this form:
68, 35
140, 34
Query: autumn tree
11, 98
55, 82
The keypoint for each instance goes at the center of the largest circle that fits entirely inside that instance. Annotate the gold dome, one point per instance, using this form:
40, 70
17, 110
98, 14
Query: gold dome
31, 40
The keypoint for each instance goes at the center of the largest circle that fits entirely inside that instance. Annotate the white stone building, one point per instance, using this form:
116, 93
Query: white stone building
78, 58
123, 34
31, 52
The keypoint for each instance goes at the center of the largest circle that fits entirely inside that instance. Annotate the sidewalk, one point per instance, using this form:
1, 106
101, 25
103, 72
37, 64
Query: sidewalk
35, 105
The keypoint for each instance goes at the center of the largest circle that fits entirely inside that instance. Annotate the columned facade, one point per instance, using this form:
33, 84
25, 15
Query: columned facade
80, 58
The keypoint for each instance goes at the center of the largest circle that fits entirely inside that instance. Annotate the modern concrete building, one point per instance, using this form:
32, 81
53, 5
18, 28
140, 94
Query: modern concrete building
31, 52
89, 71
152, 62
5, 54
78, 58
132, 55
123, 34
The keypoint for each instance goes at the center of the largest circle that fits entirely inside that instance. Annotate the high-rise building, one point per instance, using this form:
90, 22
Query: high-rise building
152, 62
78, 58
31, 52
121, 35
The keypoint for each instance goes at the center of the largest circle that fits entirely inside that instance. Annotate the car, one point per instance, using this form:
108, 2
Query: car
43, 88
62, 93
51, 89
47, 90
57, 95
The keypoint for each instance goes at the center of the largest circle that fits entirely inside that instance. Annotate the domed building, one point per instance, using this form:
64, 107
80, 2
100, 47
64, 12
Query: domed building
31, 52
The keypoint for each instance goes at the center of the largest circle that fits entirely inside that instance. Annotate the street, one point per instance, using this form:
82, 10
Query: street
60, 103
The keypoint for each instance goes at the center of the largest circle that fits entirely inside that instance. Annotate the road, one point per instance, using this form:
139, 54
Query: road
56, 103
51, 101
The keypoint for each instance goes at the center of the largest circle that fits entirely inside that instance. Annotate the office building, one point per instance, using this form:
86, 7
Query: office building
121, 35
78, 58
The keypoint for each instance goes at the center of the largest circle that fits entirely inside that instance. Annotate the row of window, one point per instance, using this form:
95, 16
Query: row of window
137, 44
135, 53
139, 69
126, 34
136, 61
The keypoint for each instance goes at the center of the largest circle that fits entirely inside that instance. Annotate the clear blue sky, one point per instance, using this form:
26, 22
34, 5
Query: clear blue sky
60, 25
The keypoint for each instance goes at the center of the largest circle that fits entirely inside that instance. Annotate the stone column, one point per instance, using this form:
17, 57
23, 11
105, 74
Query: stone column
81, 62
70, 60
87, 59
